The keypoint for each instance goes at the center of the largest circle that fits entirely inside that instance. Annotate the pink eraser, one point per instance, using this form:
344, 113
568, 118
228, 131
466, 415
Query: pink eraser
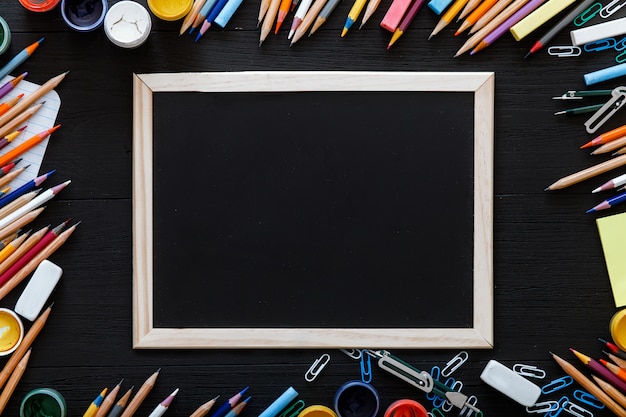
394, 14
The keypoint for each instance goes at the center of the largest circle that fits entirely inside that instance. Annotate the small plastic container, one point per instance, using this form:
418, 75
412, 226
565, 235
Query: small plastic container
617, 326
84, 15
127, 24
317, 411
5, 36
356, 399
39, 5
406, 408
43, 401
170, 9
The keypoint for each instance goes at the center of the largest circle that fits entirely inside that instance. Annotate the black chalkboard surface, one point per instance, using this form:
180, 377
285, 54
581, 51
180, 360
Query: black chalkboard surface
339, 215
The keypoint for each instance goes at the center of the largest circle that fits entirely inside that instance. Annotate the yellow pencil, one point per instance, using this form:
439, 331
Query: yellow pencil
448, 16
353, 14
22, 249
12, 246
95, 404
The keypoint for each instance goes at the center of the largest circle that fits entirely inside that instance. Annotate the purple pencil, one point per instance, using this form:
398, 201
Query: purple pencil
10, 85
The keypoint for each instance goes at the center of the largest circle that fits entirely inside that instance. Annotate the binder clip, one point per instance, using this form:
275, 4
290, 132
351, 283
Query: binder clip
618, 99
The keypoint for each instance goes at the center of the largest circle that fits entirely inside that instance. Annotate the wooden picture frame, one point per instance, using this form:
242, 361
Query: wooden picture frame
479, 335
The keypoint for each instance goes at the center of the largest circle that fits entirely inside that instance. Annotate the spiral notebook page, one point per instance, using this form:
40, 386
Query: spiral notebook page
44, 119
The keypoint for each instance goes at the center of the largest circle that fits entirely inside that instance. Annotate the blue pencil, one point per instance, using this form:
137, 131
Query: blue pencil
608, 203
229, 404
19, 58
29, 186
211, 17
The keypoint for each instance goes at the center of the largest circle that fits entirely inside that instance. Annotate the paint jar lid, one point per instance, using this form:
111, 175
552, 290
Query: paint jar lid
357, 399
43, 402
317, 411
5, 35
618, 329
170, 9
127, 24
84, 15
39, 5
11, 331
406, 408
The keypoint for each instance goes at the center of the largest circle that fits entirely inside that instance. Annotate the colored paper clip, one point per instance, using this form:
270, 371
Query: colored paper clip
576, 410
454, 363
353, 353
564, 51
611, 8
435, 374
586, 398
366, 369
529, 370
557, 384
454, 385
600, 45
294, 409
588, 14
562, 403
621, 44
466, 411
543, 407
609, 109
317, 367
621, 57
435, 412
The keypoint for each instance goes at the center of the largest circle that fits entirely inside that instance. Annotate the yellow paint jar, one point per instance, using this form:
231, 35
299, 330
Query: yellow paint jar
617, 327
170, 9
11, 331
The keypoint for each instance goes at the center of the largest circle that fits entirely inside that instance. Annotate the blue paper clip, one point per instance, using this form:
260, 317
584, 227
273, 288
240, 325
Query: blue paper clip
435, 374
576, 410
562, 403
557, 384
588, 14
586, 398
600, 45
317, 367
611, 8
543, 407
294, 409
621, 44
564, 51
454, 363
366, 369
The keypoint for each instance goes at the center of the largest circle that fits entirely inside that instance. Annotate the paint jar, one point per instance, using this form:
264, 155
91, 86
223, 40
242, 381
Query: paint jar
356, 399
170, 9
39, 5
43, 402
11, 331
617, 326
406, 408
127, 24
317, 411
84, 15
5, 36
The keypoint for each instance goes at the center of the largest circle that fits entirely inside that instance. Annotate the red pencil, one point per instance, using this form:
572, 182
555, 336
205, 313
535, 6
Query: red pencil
8, 167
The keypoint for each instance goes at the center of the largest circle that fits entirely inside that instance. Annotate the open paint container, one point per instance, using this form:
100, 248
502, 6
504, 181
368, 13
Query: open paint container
84, 15
11, 331
43, 402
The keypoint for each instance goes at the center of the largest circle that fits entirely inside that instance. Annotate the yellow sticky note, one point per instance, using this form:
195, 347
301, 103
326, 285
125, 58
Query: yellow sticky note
613, 237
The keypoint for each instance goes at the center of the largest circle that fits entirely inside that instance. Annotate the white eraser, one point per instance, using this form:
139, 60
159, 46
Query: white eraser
510, 383
38, 290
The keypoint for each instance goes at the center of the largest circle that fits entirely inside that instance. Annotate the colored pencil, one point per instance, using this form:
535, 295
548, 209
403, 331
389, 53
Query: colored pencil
268, 20
32, 98
307, 21
211, 18
469, 7
163, 405
21, 350
11, 84
202, 14
609, 136
16, 375
448, 16
27, 145
141, 395
119, 406
372, 5
27, 187
236, 410
588, 384
614, 183
492, 25
489, 15
12, 246
11, 137
619, 372
475, 15
108, 401
506, 25
326, 11
17, 203
5, 179
613, 392
20, 119
21, 222
588, 173
7, 105
608, 203
353, 14
301, 13
406, 21
610, 146
283, 9
191, 16
600, 370
204, 409
8, 167
19, 58
229, 404
95, 404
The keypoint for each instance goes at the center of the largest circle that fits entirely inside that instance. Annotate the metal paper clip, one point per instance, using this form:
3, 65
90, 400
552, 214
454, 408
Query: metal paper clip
317, 367
562, 403
586, 398
557, 384
618, 98
294, 409
564, 51
353, 353
454, 385
399, 368
529, 370
466, 411
588, 14
611, 8
543, 407
600, 45
576, 410
366, 369
454, 363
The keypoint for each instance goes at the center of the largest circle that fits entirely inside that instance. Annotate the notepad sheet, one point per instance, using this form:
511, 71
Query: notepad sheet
44, 119
613, 237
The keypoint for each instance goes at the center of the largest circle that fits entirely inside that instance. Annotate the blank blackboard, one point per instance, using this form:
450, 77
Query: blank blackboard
313, 209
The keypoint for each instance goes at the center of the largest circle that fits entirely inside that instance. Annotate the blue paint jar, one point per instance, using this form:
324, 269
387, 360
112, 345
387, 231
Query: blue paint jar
84, 15
356, 399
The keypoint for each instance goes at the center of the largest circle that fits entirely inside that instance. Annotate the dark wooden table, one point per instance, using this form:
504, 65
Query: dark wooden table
551, 286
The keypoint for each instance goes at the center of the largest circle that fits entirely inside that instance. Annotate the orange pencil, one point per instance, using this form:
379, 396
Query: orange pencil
448, 16
4, 107
621, 373
27, 145
283, 9
489, 15
475, 15
606, 137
